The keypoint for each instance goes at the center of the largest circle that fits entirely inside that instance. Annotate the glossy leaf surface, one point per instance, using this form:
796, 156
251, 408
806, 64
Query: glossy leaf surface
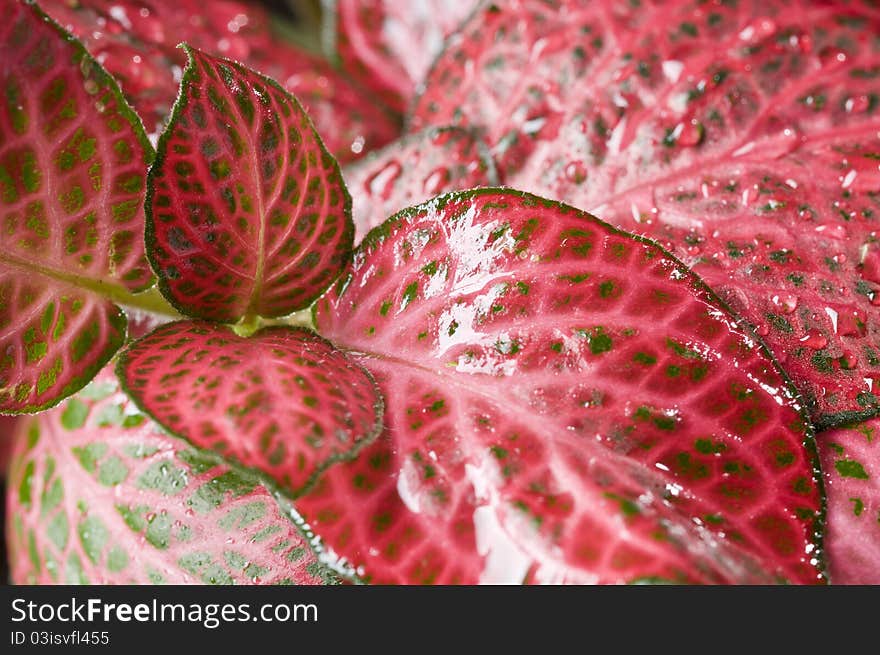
282, 401
99, 494
414, 169
247, 211
73, 159
564, 402
743, 136
851, 465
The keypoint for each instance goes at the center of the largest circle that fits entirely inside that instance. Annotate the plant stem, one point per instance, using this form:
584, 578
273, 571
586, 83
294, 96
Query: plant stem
251, 323
150, 301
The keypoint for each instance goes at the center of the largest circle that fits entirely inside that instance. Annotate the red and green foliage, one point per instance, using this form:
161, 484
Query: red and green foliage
73, 160
392, 44
413, 169
247, 213
564, 402
741, 135
103, 496
394, 370
137, 42
283, 401
851, 461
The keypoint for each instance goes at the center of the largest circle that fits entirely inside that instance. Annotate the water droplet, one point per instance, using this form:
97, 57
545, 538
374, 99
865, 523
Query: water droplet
692, 133
851, 322
436, 181
762, 330
381, 183
834, 231
848, 360
857, 104
786, 303
576, 172
832, 57
814, 339
870, 266
758, 29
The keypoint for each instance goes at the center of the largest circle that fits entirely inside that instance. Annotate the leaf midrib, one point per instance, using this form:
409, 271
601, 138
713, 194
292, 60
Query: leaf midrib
106, 289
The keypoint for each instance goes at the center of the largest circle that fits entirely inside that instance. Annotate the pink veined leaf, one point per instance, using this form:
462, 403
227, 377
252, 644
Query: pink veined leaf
851, 465
247, 213
390, 45
413, 169
283, 401
99, 494
73, 159
137, 42
349, 119
565, 403
742, 136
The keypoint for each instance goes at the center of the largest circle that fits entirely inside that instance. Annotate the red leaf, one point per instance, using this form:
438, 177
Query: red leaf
283, 401
851, 464
137, 42
742, 136
73, 160
390, 45
99, 494
247, 213
413, 169
564, 402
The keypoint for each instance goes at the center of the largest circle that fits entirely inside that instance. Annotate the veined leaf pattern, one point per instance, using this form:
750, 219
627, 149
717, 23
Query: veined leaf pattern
99, 494
283, 401
247, 213
741, 135
564, 402
73, 159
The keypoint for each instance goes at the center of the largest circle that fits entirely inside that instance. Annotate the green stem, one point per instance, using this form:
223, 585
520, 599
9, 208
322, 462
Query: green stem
150, 301
251, 323
302, 318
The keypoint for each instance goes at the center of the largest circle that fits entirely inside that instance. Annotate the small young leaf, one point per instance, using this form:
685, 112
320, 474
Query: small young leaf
73, 160
284, 400
413, 169
247, 213
121, 502
851, 463
564, 402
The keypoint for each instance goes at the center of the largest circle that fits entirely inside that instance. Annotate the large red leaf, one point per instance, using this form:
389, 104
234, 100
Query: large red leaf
137, 40
413, 169
99, 494
743, 136
247, 213
851, 465
73, 160
283, 400
390, 45
564, 402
